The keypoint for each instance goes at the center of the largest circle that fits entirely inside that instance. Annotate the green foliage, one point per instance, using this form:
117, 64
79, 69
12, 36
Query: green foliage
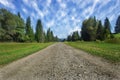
29, 31
93, 29
39, 35
117, 36
89, 28
50, 37
107, 32
13, 51
99, 34
11, 26
117, 27
69, 38
14, 29
75, 36
105, 50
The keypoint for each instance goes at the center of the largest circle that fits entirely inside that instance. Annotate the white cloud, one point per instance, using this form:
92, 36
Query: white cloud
7, 3
39, 12
24, 10
62, 4
26, 2
50, 24
49, 2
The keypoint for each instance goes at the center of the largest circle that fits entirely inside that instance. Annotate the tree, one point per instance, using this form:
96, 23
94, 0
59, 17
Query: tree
107, 32
56, 39
75, 36
39, 35
19, 15
99, 33
11, 26
29, 30
117, 27
50, 36
69, 38
20, 30
89, 28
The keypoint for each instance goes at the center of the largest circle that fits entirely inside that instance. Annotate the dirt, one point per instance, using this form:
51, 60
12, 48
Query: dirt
60, 62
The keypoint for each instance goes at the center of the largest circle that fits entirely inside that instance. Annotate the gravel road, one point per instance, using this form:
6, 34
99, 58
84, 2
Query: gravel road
60, 62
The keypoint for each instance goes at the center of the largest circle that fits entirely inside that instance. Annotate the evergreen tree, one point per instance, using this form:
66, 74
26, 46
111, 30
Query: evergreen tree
99, 34
75, 36
56, 39
89, 28
50, 37
69, 38
29, 30
39, 36
117, 27
107, 32
19, 15
11, 26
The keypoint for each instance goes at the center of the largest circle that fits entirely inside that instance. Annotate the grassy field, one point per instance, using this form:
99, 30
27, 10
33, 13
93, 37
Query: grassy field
13, 51
106, 50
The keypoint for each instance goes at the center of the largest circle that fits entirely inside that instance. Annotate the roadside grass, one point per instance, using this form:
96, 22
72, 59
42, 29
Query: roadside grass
108, 51
117, 35
13, 51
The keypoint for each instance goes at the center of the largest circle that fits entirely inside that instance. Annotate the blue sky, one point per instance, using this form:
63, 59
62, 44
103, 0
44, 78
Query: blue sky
63, 16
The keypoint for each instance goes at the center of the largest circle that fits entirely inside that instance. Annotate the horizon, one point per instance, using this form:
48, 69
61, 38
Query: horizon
63, 17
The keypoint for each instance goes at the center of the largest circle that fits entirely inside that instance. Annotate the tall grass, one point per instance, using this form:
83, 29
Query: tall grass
106, 50
13, 51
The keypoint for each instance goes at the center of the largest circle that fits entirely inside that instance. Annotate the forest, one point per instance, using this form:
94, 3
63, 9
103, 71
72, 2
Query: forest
14, 29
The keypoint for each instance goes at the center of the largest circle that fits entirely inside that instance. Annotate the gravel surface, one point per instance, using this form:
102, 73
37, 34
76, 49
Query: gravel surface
60, 62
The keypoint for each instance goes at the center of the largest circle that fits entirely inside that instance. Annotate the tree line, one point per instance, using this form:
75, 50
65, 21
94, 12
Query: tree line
13, 28
93, 29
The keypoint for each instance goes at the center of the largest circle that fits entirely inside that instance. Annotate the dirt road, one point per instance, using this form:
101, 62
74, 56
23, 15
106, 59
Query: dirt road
60, 62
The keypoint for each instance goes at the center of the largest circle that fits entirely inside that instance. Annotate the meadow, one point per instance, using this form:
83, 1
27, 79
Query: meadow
108, 51
13, 51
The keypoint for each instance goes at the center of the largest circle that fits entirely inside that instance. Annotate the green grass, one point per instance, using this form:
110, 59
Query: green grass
13, 51
117, 35
106, 50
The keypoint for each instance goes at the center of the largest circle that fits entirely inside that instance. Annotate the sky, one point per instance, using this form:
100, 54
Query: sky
63, 16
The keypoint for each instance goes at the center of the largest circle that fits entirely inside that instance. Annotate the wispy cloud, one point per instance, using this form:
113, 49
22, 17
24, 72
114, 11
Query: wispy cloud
65, 16
7, 3
25, 10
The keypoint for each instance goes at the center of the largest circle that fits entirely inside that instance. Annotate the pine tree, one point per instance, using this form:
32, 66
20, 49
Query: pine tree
50, 36
75, 36
19, 15
89, 28
117, 27
29, 30
99, 34
107, 32
39, 36
69, 38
